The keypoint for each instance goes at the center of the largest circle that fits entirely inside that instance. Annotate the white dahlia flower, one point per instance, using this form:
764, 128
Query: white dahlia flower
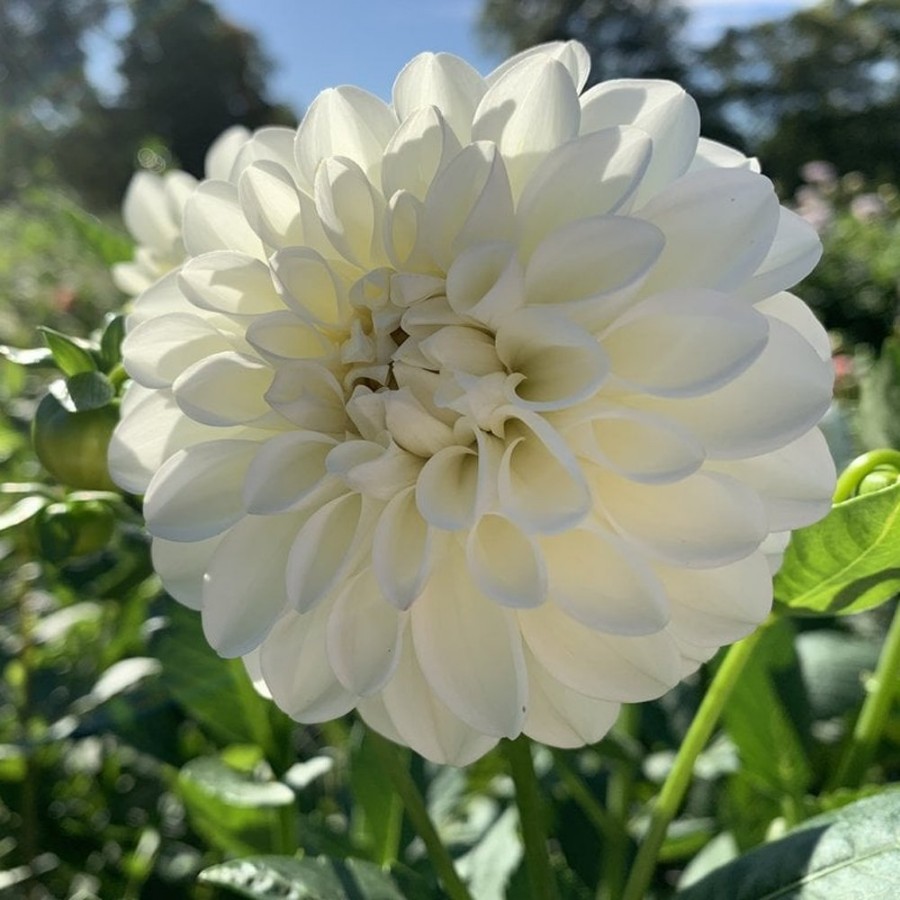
152, 213
473, 411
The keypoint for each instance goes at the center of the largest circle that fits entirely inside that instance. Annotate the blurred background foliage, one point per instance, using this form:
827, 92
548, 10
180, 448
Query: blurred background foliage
131, 757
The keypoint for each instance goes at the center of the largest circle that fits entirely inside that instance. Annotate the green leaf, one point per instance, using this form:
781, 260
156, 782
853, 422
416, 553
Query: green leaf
851, 852
847, 562
109, 244
70, 355
762, 718
21, 512
265, 877
111, 343
90, 390
235, 811
217, 692
377, 810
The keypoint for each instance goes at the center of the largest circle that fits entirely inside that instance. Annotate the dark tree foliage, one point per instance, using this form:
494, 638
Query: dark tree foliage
823, 83
42, 78
189, 75
625, 38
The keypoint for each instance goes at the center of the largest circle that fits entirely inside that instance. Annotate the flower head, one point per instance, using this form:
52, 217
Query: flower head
473, 411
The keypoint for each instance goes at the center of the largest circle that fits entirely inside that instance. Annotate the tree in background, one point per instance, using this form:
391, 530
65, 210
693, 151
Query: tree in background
823, 83
42, 78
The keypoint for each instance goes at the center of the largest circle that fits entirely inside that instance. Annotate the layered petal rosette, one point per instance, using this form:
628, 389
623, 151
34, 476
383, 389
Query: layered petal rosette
473, 411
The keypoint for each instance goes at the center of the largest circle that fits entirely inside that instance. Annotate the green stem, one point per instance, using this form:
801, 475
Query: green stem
531, 818
618, 802
852, 476
883, 687
414, 804
678, 779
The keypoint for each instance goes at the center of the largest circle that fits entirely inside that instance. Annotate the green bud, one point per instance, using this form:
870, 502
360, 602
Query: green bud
72, 445
878, 479
70, 529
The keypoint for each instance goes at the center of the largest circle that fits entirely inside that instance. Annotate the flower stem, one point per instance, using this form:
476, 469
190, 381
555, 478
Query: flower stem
883, 687
414, 804
678, 779
531, 818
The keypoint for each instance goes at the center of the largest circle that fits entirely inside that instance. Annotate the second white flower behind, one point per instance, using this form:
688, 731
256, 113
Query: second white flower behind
473, 411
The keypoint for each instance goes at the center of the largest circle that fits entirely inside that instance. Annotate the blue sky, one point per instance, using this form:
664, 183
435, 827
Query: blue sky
316, 44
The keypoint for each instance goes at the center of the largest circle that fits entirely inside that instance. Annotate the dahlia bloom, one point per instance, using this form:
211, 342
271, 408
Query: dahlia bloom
473, 411
152, 213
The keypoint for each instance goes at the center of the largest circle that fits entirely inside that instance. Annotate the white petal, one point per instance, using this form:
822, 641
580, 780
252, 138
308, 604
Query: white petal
718, 606
447, 489
241, 598
344, 121
505, 564
223, 151
297, 672
440, 80
458, 348
639, 446
273, 144
541, 486
794, 253
413, 427
271, 203
486, 282
150, 432
731, 213
214, 220
157, 351
470, 650
323, 550
286, 472
402, 550
468, 202
592, 175
571, 54
402, 236
662, 109
562, 364
713, 155
561, 717
613, 668
147, 212
285, 339
308, 395
755, 413
600, 581
423, 722
588, 269
794, 312
253, 665
159, 299
351, 211
528, 112
704, 520
375, 715
683, 343
309, 286
196, 493
181, 565
795, 482
229, 282
374, 470
363, 636
422, 144
224, 389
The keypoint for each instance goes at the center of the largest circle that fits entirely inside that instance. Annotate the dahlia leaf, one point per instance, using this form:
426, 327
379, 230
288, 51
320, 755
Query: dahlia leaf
235, 811
264, 877
847, 562
71, 356
850, 852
